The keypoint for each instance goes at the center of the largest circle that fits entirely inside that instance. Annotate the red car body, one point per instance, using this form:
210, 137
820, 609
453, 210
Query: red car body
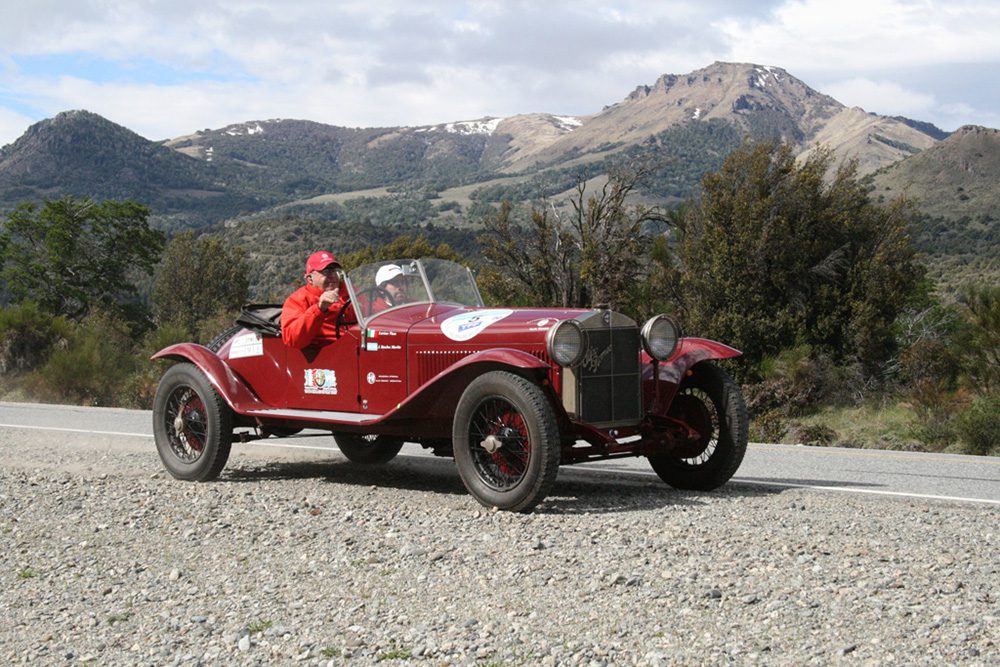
405, 373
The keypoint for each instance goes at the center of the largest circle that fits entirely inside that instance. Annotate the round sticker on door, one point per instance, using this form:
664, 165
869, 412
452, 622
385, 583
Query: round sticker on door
469, 325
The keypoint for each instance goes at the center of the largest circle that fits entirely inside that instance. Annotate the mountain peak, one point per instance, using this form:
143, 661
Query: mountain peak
975, 129
717, 79
81, 153
75, 122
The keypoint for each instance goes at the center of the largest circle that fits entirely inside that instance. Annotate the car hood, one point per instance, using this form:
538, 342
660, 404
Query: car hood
489, 327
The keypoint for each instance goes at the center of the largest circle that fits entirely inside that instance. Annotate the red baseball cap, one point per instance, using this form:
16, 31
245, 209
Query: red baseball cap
319, 261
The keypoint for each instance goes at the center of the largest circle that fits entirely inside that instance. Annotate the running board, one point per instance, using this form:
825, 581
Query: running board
315, 415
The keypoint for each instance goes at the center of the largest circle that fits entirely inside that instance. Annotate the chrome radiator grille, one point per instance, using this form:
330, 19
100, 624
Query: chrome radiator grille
608, 389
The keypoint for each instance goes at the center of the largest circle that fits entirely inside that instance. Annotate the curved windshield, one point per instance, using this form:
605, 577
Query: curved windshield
380, 286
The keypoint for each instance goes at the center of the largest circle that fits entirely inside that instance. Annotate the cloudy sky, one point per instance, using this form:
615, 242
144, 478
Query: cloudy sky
165, 68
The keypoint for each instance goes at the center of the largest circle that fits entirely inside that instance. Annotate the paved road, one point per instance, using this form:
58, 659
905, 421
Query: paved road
945, 477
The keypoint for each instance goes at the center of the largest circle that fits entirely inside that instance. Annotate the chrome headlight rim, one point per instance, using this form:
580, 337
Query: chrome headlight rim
550, 343
648, 333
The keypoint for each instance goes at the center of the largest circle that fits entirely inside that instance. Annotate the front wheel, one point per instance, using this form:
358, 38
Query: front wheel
368, 449
506, 441
710, 402
192, 425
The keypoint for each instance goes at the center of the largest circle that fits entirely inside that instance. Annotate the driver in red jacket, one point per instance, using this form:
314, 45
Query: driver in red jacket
311, 312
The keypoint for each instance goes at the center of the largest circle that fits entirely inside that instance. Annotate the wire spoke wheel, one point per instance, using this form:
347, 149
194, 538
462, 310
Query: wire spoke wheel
187, 428
500, 443
192, 424
506, 441
712, 405
696, 408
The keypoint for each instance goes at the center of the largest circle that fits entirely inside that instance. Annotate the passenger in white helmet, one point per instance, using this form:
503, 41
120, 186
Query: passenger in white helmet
391, 284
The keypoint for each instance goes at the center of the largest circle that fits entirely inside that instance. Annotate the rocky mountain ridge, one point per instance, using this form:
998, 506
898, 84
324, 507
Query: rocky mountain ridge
762, 101
964, 165
211, 175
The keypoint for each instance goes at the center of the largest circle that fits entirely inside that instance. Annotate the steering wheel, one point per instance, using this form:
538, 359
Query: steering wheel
342, 316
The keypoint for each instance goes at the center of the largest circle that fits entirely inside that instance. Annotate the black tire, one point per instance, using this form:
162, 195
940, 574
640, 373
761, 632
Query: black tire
192, 425
710, 401
216, 343
368, 449
511, 415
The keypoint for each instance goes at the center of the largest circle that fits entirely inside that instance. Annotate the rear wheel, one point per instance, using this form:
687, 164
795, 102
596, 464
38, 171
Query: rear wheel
506, 441
192, 425
710, 402
368, 449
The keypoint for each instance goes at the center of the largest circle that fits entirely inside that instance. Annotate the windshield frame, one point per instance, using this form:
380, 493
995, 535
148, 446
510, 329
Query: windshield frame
424, 268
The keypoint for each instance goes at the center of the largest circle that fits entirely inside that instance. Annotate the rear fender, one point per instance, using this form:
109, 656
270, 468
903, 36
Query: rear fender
233, 390
658, 394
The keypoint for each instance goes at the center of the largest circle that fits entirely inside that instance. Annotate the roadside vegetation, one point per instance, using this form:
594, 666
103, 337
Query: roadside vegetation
846, 340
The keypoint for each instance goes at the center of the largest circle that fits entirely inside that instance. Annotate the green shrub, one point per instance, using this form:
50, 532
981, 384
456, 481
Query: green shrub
873, 424
138, 389
811, 434
89, 370
929, 360
979, 425
213, 324
27, 336
769, 426
935, 407
790, 386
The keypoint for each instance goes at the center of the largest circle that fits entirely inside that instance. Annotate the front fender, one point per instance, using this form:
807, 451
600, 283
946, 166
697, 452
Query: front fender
658, 393
690, 351
432, 405
233, 390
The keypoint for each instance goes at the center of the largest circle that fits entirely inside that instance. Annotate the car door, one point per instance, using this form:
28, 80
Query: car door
324, 376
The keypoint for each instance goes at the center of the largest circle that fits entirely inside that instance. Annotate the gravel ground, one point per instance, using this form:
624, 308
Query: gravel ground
307, 559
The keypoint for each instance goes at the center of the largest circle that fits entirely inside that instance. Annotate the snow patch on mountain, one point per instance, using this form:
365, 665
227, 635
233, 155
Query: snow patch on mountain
481, 126
567, 123
248, 129
763, 72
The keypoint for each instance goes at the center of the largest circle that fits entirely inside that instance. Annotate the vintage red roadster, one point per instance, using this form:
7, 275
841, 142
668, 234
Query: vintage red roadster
510, 393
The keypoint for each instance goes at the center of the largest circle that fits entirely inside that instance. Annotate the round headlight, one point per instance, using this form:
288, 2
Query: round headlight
565, 343
660, 335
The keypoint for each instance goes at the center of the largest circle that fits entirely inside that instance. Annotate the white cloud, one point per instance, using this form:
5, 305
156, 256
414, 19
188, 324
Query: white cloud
882, 97
861, 35
12, 125
955, 115
388, 63
168, 67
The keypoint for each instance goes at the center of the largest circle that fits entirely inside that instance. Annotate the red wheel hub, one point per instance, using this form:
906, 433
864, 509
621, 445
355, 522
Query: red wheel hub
693, 412
510, 426
192, 411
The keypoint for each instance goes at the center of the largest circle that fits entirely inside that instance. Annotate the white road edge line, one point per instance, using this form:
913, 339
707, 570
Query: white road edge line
735, 480
820, 487
76, 430
874, 492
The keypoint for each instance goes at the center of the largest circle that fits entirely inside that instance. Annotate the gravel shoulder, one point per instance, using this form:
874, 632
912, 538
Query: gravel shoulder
303, 558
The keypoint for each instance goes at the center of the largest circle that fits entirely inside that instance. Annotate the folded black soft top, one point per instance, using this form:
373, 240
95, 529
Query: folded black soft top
264, 318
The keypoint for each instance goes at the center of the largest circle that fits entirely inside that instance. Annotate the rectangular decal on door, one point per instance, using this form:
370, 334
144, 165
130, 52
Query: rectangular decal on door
320, 381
